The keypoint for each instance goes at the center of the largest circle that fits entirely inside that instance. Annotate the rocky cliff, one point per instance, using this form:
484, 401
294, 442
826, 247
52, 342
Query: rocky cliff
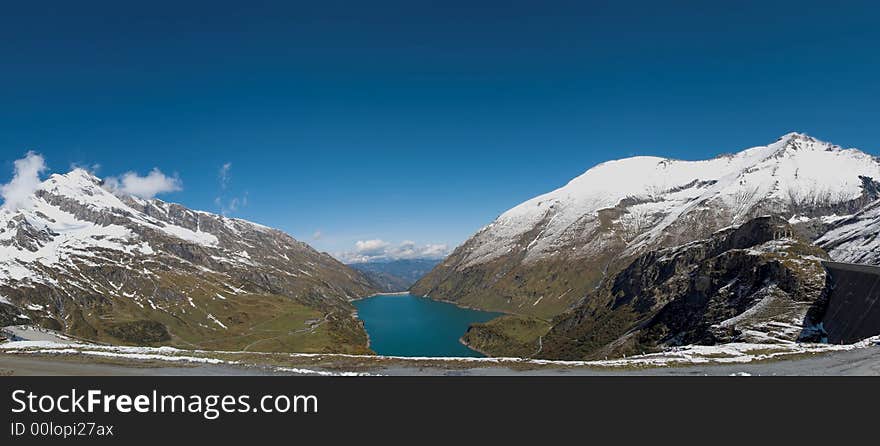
755, 283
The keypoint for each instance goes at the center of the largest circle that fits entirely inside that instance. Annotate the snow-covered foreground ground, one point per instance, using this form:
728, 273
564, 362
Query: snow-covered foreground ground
732, 358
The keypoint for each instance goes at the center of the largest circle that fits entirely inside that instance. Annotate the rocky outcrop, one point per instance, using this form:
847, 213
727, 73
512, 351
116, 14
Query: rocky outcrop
754, 283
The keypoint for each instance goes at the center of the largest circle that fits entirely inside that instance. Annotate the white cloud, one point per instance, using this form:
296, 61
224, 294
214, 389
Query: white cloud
435, 250
228, 205
231, 205
17, 193
370, 247
380, 250
317, 235
148, 186
224, 175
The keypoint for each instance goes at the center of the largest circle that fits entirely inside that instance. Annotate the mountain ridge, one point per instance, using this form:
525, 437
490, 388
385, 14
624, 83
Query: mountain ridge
84, 260
542, 255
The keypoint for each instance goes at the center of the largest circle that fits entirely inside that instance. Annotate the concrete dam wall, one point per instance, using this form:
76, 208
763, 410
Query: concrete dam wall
853, 311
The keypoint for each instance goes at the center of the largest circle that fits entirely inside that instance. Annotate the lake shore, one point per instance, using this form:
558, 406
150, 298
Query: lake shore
396, 293
467, 307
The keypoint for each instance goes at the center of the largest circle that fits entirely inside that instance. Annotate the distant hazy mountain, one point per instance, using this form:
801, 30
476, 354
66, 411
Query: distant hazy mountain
546, 254
395, 275
81, 259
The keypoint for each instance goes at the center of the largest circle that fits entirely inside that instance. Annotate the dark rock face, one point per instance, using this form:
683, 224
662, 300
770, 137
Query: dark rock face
851, 310
754, 283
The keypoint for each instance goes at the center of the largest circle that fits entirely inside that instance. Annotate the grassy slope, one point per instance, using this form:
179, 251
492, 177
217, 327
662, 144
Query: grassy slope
542, 289
254, 322
510, 336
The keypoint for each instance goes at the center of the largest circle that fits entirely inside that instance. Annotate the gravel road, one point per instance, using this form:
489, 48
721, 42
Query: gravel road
858, 362
863, 362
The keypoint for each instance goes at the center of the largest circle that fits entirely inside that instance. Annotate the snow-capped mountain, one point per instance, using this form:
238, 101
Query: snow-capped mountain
543, 254
95, 264
796, 176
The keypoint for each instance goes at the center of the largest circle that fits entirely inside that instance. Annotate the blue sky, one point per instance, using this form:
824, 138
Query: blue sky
419, 121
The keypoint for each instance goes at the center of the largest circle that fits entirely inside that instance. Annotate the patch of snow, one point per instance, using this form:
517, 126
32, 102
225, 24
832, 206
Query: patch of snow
197, 237
798, 219
216, 321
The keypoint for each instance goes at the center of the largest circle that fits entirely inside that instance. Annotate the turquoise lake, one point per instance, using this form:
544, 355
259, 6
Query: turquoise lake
407, 325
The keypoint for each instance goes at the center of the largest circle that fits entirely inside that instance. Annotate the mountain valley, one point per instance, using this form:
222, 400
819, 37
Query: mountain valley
395, 276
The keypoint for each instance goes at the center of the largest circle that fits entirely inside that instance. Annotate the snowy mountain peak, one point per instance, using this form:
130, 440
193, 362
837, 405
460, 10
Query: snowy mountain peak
73, 216
81, 186
791, 136
795, 141
644, 200
78, 174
